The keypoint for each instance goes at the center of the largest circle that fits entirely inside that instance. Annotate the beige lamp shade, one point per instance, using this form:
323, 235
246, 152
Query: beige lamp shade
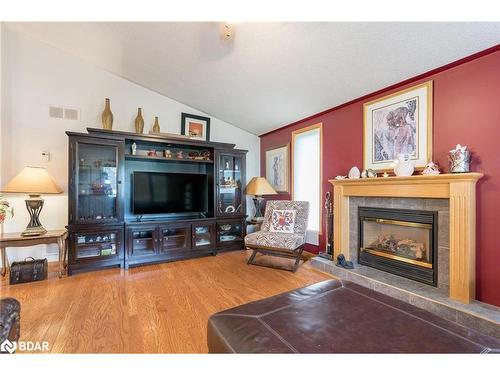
260, 186
34, 181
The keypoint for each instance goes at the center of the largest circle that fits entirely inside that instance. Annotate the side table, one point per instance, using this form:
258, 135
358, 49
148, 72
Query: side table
16, 240
253, 226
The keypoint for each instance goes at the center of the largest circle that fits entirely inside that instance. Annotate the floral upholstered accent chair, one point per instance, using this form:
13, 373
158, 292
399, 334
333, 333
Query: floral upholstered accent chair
283, 231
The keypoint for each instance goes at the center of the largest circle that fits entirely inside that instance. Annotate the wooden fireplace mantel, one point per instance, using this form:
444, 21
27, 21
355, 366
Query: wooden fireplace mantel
460, 189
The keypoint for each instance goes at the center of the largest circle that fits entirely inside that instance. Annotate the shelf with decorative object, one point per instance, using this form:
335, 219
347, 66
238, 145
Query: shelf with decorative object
94, 246
231, 233
230, 183
164, 159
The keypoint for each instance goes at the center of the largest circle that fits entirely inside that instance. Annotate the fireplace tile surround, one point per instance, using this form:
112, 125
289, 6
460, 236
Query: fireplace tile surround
426, 204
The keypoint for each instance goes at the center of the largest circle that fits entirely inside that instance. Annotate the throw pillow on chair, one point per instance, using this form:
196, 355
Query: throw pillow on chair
283, 221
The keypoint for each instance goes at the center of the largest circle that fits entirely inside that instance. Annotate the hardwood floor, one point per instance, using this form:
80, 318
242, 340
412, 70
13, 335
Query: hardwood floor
153, 309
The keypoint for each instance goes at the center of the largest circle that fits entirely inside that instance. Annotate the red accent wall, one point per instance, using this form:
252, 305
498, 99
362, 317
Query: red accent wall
466, 111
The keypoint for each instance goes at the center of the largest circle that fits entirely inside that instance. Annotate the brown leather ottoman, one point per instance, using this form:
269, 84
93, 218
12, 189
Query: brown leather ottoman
338, 317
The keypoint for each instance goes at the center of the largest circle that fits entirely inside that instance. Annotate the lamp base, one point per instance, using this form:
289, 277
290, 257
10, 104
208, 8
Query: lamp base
34, 231
34, 205
258, 202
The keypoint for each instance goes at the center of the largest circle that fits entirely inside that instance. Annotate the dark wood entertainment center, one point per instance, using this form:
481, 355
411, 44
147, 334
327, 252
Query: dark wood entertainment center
102, 229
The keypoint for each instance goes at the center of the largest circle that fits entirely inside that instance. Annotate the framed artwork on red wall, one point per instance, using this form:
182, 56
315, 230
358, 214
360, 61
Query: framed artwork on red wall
277, 167
398, 125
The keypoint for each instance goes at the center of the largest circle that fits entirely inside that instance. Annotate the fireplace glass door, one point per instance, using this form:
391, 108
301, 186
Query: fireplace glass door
402, 242
405, 241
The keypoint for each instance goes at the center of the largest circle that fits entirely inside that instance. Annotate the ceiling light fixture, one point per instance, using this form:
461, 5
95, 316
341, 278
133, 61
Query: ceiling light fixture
226, 31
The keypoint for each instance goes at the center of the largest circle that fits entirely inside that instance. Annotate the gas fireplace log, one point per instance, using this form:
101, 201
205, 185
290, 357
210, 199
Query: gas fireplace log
406, 247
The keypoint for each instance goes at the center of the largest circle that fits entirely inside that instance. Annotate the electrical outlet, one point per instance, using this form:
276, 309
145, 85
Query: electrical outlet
45, 156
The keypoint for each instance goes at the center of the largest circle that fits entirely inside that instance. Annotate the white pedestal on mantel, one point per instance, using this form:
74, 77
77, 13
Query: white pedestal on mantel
460, 189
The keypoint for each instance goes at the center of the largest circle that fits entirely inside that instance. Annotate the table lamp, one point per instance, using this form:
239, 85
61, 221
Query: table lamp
259, 186
33, 181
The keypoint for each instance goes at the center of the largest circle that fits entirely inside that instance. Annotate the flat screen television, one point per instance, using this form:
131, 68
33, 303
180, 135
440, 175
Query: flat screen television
169, 193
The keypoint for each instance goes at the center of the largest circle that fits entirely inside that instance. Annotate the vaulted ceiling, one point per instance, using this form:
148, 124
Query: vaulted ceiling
268, 74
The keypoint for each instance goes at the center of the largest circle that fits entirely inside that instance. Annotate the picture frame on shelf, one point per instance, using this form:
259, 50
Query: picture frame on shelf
399, 123
195, 126
278, 167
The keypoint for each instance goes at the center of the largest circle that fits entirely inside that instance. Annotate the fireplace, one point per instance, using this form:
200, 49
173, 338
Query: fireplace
402, 242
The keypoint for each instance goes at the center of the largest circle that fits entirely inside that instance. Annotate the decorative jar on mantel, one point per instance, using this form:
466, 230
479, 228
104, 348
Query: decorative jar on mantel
459, 159
404, 166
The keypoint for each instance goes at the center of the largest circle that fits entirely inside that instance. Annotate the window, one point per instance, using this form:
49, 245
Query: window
306, 175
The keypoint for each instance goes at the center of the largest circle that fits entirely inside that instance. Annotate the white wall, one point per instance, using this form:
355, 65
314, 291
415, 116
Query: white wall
35, 76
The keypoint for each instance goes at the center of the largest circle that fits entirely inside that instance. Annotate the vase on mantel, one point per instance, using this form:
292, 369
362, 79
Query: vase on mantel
404, 166
139, 122
107, 116
156, 125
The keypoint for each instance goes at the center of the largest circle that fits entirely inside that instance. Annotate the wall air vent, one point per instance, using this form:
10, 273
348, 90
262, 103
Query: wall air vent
56, 112
70, 114
64, 113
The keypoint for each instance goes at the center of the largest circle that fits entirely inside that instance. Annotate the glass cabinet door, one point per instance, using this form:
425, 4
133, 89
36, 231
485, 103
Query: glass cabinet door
229, 232
203, 235
229, 199
97, 183
92, 245
143, 242
174, 239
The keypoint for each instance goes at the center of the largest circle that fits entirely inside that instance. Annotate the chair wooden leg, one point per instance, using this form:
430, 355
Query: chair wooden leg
296, 255
252, 257
297, 260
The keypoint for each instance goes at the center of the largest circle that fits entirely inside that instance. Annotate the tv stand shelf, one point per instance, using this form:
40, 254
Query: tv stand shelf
164, 159
100, 196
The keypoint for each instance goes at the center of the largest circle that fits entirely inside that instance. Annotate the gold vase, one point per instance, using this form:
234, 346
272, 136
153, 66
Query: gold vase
139, 122
107, 116
156, 126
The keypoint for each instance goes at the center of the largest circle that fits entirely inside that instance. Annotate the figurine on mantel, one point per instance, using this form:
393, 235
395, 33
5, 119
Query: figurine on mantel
431, 169
354, 173
368, 173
